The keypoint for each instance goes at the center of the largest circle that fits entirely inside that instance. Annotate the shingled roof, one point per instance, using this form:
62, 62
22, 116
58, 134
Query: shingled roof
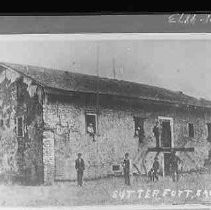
76, 82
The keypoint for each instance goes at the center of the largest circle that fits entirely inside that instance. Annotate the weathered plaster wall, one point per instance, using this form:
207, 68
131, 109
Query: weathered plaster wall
191, 160
8, 141
66, 122
196, 159
71, 138
29, 106
20, 157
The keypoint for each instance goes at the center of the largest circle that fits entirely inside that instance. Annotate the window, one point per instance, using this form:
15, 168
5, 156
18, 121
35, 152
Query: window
116, 169
191, 130
209, 132
139, 128
139, 125
91, 123
20, 127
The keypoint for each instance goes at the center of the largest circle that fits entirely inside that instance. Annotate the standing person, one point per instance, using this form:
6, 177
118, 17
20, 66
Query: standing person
126, 167
156, 131
174, 163
140, 134
80, 167
156, 167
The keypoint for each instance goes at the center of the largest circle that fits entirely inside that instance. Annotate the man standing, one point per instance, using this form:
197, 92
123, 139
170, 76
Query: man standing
80, 167
156, 131
174, 163
126, 167
155, 167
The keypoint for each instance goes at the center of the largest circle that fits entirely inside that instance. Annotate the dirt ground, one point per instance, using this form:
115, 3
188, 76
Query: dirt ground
191, 189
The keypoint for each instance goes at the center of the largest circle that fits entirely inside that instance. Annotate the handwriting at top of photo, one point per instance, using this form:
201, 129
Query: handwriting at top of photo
189, 19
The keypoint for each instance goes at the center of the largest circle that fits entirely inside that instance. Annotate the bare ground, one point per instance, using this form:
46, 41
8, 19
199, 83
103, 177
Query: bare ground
111, 191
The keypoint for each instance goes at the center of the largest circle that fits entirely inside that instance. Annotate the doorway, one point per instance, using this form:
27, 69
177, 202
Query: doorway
165, 138
167, 163
166, 141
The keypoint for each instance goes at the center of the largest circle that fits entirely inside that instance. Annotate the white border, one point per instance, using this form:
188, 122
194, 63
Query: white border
106, 36
115, 207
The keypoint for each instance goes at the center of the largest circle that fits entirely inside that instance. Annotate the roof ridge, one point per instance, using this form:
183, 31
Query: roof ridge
55, 78
95, 76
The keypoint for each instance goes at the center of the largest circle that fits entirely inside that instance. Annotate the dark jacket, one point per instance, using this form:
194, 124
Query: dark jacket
79, 164
156, 131
126, 166
156, 165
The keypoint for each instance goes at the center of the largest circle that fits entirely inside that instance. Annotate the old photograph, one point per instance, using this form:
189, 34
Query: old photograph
105, 119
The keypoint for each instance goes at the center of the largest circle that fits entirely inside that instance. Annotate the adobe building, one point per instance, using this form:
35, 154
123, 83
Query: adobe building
47, 116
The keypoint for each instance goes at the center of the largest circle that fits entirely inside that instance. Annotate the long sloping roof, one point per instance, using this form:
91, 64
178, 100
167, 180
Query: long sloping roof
69, 81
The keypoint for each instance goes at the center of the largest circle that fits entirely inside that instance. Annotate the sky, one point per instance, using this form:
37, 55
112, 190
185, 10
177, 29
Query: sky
176, 63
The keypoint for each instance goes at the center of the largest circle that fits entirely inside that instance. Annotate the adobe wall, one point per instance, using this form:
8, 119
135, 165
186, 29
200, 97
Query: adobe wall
29, 105
8, 141
20, 157
66, 123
